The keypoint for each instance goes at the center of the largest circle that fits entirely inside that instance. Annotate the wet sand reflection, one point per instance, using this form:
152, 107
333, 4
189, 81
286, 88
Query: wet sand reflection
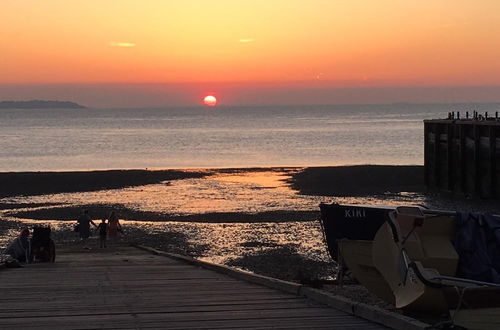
254, 246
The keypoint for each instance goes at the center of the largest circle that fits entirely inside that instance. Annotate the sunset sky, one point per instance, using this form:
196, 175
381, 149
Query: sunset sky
175, 52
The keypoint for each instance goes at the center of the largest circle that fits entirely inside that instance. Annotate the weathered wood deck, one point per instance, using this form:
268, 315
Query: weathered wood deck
127, 288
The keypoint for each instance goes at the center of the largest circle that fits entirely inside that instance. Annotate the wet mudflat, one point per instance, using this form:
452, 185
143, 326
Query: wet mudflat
264, 220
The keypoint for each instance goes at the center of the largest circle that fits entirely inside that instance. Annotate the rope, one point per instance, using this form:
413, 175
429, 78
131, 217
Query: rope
460, 301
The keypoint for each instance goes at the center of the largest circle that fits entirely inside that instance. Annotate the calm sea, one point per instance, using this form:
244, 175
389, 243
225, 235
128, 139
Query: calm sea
86, 139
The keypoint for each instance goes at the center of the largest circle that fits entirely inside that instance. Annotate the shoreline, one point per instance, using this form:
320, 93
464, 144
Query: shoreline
379, 184
99, 211
359, 180
44, 183
272, 226
324, 180
368, 184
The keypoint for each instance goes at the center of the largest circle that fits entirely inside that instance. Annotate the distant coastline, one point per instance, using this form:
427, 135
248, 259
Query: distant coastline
40, 104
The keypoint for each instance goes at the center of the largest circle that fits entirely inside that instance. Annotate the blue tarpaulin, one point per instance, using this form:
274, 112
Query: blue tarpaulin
477, 242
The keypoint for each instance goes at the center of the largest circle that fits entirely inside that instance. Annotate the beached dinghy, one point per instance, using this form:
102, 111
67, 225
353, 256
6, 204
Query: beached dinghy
351, 222
349, 232
427, 239
421, 266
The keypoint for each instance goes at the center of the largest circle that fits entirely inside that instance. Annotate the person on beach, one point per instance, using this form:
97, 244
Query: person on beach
20, 248
84, 222
103, 230
114, 225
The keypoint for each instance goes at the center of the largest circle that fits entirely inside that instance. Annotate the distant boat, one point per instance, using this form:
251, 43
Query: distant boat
406, 256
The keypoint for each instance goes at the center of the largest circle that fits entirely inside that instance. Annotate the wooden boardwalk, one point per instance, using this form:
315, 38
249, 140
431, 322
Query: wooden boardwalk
127, 288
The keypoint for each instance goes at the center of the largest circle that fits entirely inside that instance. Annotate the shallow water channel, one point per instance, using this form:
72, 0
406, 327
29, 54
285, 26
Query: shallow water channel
266, 244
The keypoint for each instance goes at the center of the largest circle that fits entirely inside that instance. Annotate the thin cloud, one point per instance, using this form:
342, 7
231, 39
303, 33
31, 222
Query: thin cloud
121, 44
246, 40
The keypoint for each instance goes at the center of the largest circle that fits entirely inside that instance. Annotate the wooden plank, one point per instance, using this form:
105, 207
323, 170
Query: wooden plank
127, 288
311, 323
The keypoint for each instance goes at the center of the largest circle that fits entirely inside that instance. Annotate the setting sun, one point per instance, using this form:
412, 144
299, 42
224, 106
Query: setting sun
210, 101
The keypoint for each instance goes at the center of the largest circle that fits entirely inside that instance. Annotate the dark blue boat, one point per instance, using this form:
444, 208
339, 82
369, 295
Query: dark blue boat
354, 222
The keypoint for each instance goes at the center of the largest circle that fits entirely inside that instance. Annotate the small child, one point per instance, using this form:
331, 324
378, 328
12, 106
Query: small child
103, 230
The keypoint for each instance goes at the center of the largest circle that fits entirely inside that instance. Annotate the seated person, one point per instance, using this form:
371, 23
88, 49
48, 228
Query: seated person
19, 249
42, 246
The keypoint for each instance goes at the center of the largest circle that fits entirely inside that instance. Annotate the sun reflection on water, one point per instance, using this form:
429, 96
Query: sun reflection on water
223, 192
231, 191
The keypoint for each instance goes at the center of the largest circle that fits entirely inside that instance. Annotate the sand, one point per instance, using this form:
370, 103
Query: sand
361, 180
41, 183
327, 181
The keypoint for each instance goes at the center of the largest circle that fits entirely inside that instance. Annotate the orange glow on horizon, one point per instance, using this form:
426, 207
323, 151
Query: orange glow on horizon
448, 42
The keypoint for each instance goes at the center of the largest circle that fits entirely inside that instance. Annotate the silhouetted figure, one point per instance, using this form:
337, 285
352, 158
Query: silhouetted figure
20, 248
84, 222
113, 225
103, 230
42, 246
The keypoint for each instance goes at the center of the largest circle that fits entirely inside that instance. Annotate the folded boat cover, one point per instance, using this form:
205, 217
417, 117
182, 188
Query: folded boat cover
477, 242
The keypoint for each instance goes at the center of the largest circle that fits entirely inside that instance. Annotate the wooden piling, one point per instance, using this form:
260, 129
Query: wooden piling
462, 156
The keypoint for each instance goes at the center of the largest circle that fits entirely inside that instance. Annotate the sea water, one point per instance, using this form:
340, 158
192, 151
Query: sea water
223, 136
86, 139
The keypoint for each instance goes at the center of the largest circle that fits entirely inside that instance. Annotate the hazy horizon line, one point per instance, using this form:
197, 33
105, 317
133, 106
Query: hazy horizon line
160, 95
253, 105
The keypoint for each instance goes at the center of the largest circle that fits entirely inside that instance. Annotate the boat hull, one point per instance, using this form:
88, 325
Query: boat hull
352, 222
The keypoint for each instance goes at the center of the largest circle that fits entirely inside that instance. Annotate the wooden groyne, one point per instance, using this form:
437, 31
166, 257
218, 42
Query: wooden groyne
128, 288
462, 155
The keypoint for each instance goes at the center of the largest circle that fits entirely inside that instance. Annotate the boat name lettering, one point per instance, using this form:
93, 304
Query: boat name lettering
355, 213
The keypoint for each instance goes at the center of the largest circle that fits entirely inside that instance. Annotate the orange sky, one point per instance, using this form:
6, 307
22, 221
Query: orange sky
383, 42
